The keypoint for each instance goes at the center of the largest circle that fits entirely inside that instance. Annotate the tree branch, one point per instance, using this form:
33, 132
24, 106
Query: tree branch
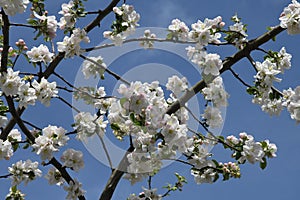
227, 64
5, 31
101, 15
115, 177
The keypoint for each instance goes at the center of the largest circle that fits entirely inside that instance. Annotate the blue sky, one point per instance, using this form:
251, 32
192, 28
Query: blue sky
278, 181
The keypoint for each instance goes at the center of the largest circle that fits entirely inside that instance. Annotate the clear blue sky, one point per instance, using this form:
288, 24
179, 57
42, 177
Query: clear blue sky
280, 180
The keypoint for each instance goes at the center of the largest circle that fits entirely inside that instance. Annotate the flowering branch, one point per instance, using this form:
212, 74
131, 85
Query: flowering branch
227, 63
53, 161
5, 31
101, 15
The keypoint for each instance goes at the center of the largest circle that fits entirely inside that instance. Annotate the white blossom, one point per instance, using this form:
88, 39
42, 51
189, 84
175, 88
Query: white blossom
213, 117
26, 95
212, 64
148, 44
178, 30
40, 54
270, 149
146, 194
290, 18
11, 7
3, 121
284, 60
45, 90
69, 19
239, 28
6, 150
252, 151
71, 45
116, 38
74, 190
51, 139
54, 177
267, 72
91, 69
216, 93
72, 159
129, 21
201, 31
293, 104
51, 24
204, 175
14, 136
87, 125
24, 171
10, 82
14, 194
177, 85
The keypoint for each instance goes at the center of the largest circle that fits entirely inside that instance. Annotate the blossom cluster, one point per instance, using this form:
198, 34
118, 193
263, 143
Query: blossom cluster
72, 159
290, 18
126, 21
71, 45
293, 102
148, 44
199, 158
156, 136
94, 96
215, 93
13, 7
88, 125
68, 19
48, 25
12, 85
251, 150
237, 33
270, 100
24, 171
51, 139
14, 193
139, 112
7, 147
245, 148
146, 194
94, 69
40, 54
74, 190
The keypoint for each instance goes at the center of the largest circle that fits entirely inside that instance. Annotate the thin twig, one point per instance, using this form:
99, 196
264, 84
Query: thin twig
26, 25
149, 182
6, 176
32, 125
239, 78
68, 104
143, 39
105, 151
251, 60
106, 69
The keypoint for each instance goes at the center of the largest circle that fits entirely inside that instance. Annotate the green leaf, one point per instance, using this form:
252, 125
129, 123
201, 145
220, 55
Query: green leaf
263, 164
216, 177
252, 90
226, 177
26, 146
169, 36
15, 147
122, 101
115, 127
